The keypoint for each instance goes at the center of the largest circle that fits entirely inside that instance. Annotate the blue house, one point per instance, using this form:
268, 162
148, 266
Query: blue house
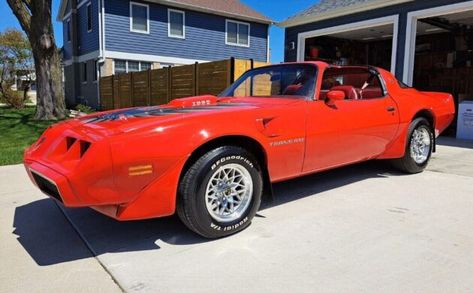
104, 37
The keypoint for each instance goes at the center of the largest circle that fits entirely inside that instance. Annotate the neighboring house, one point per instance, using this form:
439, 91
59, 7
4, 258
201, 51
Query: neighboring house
107, 37
25, 78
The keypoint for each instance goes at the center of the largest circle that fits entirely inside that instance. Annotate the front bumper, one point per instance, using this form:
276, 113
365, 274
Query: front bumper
75, 167
52, 183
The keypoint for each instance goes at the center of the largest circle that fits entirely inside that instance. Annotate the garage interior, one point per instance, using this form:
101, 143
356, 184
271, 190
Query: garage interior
444, 56
364, 46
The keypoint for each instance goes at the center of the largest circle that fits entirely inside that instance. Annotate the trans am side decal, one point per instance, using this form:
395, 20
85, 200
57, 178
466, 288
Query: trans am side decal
287, 141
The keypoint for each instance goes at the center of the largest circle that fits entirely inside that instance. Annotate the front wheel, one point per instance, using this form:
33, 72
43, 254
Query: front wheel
418, 148
221, 192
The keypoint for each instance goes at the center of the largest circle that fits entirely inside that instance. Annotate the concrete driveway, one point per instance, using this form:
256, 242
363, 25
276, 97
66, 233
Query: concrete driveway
359, 228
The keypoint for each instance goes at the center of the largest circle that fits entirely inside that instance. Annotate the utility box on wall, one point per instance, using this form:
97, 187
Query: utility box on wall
465, 120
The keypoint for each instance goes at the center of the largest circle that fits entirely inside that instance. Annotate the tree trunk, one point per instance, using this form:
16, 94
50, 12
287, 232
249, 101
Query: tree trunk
25, 95
50, 98
35, 19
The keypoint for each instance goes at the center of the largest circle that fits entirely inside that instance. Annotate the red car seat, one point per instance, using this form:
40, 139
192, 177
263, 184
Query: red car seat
292, 89
350, 91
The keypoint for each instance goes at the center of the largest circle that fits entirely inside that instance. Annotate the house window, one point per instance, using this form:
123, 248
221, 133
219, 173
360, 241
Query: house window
139, 18
89, 17
237, 33
176, 24
133, 66
68, 30
84, 72
125, 66
145, 66
120, 66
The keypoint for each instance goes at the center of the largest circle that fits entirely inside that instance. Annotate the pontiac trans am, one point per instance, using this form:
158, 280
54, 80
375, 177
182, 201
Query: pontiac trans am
210, 159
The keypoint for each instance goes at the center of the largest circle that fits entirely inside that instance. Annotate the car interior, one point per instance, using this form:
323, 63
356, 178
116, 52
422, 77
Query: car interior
295, 81
356, 83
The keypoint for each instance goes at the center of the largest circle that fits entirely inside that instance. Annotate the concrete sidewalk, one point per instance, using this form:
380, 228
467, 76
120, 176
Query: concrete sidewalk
358, 228
39, 249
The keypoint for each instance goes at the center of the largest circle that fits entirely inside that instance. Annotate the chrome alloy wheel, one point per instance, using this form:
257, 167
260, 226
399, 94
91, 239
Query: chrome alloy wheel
420, 145
229, 192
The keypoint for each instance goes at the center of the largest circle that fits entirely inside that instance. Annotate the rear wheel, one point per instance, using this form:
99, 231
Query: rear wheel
221, 192
418, 148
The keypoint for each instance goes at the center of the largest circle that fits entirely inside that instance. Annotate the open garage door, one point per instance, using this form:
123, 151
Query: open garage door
370, 42
443, 55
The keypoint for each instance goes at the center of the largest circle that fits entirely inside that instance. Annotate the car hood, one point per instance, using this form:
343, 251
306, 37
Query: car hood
126, 120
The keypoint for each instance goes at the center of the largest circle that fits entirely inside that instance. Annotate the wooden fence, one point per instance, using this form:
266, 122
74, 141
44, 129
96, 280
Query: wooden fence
159, 86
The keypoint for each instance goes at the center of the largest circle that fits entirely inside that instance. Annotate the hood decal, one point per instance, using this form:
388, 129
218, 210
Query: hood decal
155, 111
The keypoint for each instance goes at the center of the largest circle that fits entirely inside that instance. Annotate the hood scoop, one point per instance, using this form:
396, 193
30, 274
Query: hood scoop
198, 101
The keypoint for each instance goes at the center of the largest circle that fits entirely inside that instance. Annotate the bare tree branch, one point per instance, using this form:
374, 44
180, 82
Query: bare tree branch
22, 12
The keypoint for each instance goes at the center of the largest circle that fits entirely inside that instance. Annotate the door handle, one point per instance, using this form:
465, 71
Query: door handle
391, 109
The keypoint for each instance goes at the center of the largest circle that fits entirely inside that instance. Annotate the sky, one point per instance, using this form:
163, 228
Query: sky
277, 10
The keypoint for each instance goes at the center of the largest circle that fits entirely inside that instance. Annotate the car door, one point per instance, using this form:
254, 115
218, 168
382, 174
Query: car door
348, 131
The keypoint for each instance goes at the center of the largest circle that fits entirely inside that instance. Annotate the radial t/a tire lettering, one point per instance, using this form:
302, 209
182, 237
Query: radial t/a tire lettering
221, 192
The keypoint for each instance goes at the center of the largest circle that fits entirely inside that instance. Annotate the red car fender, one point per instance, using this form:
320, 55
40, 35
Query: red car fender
439, 108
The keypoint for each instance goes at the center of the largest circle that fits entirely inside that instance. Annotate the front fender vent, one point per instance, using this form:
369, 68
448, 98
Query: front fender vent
71, 149
84, 146
70, 141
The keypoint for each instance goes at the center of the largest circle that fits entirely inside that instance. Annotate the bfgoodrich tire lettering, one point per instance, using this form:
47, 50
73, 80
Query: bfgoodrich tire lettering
410, 163
193, 205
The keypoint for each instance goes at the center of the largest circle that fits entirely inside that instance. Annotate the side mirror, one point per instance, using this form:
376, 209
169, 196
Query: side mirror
336, 95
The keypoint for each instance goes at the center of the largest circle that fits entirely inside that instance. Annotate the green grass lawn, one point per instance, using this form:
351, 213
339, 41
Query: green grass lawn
18, 130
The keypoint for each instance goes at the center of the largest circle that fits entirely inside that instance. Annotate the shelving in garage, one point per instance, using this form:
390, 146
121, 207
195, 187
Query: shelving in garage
443, 59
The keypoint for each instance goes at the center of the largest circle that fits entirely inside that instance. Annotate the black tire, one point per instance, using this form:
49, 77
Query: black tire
191, 202
407, 163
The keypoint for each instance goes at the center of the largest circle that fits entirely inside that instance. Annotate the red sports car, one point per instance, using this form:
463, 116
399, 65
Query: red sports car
212, 158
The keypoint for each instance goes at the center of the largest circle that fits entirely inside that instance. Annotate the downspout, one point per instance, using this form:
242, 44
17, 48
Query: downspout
268, 58
101, 58
74, 53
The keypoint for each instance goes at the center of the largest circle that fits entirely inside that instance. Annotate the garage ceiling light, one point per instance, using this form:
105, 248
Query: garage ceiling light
435, 29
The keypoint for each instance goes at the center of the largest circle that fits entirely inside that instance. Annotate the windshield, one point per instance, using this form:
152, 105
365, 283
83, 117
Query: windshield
294, 81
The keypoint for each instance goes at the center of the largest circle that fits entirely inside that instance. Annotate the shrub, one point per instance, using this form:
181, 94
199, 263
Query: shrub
84, 109
13, 98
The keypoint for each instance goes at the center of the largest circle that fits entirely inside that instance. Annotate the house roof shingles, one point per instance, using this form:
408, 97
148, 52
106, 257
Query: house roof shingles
329, 7
233, 7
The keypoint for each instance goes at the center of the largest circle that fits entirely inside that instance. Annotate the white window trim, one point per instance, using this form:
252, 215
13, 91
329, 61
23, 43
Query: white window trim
238, 34
131, 18
183, 24
126, 65
392, 19
150, 63
68, 30
89, 16
139, 65
411, 33
113, 66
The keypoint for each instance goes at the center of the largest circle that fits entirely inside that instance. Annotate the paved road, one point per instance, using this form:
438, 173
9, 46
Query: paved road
359, 228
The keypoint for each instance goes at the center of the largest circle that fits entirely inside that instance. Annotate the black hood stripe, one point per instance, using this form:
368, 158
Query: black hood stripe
157, 111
